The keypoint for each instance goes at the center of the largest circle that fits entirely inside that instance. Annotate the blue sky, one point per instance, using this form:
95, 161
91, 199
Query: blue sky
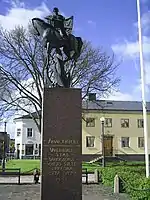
106, 16
104, 23
107, 23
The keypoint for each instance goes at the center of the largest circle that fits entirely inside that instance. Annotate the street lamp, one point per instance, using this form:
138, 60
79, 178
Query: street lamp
102, 119
4, 147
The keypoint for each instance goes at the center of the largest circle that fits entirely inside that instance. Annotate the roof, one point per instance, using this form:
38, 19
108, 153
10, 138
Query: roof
114, 105
34, 114
107, 105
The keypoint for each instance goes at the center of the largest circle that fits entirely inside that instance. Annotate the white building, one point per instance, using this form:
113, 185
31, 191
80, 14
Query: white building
27, 138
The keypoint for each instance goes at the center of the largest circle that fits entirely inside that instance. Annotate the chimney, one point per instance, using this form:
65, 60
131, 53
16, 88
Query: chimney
92, 96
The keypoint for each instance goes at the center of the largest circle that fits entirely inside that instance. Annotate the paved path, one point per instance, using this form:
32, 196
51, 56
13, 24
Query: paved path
29, 179
31, 191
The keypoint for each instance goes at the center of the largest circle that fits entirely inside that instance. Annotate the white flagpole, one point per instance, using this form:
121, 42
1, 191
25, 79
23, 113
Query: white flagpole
143, 89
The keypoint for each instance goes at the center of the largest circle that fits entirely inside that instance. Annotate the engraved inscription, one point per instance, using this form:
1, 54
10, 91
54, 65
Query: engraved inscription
55, 141
60, 158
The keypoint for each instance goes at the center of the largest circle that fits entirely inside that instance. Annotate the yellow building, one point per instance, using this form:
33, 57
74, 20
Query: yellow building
123, 129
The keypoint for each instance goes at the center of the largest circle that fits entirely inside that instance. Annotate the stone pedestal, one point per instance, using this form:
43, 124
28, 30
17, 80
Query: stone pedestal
61, 144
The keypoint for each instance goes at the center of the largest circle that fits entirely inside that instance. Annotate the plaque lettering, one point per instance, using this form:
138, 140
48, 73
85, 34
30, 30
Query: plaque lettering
61, 150
55, 141
60, 157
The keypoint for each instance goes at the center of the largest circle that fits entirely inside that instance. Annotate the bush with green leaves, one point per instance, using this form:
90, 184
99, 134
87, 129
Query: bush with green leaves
133, 180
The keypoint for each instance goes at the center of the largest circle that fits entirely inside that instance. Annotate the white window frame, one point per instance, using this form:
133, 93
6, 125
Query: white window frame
123, 123
108, 122
90, 137
126, 146
28, 132
90, 122
18, 132
140, 123
139, 146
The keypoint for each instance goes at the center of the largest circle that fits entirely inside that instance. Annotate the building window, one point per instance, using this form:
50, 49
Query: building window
140, 123
18, 131
36, 146
29, 132
108, 122
140, 142
36, 152
124, 123
125, 142
90, 122
29, 149
90, 141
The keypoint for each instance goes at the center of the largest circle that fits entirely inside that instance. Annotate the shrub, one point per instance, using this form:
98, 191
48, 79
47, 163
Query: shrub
133, 180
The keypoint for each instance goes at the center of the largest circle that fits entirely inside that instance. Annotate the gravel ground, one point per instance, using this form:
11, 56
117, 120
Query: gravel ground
30, 191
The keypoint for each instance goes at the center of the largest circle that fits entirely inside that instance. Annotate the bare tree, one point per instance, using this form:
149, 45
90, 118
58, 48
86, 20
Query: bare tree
23, 68
95, 71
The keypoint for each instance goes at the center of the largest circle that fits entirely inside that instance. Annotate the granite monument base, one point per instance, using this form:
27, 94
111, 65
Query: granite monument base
61, 144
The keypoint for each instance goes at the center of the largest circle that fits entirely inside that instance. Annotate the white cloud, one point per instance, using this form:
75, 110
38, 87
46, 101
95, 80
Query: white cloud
16, 3
125, 96
20, 15
30, 86
10, 127
129, 50
145, 20
119, 96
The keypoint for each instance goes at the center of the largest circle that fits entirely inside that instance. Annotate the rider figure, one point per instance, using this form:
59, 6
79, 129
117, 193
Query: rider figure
58, 21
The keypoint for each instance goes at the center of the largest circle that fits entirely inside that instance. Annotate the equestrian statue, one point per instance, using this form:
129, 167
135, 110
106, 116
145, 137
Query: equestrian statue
56, 33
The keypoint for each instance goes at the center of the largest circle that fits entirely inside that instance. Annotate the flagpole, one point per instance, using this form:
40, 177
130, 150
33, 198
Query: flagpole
143, 89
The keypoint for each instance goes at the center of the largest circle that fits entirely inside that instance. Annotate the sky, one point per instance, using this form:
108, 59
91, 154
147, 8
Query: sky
110, 24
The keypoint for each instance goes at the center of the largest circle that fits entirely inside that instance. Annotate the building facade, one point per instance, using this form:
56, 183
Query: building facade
123, 131
27, 138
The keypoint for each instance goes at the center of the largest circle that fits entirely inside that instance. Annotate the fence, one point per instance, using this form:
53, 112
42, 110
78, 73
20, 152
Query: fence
120, 184
90, 177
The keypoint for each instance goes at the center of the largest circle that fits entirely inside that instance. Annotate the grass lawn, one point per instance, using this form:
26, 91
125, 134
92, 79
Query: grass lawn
30, 165
90, 167
25, 165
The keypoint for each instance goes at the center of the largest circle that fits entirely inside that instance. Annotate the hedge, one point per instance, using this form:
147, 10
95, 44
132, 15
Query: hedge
133, 181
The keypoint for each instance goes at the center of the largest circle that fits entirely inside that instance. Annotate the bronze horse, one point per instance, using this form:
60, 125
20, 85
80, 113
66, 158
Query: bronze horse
52, 39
